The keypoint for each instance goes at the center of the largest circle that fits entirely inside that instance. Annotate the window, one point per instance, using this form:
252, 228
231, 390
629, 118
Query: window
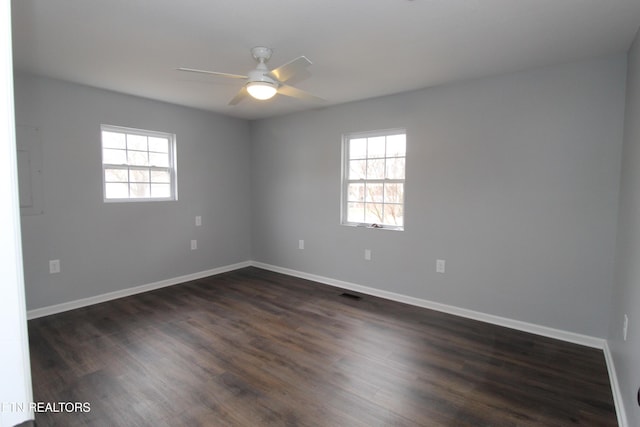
373, 179
137, 165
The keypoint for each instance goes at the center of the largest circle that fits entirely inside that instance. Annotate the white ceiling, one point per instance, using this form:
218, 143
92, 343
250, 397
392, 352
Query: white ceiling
359, 48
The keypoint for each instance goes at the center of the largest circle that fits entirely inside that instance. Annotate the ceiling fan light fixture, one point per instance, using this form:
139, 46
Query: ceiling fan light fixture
261, 90
262, 83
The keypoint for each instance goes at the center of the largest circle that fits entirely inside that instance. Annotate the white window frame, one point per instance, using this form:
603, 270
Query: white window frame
346, 138
173, 176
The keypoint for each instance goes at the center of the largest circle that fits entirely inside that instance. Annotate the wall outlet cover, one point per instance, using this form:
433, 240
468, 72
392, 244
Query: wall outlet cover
54, 266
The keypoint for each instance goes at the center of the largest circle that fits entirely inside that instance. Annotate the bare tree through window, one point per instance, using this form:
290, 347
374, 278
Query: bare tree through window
374, 179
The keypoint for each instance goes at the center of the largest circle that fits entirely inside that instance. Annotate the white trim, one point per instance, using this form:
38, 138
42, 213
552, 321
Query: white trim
615, 387
345, 181
171, 169
71, 305
586, 340
14, 339
567, 336
533, 328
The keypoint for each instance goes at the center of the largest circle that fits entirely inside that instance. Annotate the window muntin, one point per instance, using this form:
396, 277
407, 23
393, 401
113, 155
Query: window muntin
137, 165
373, 181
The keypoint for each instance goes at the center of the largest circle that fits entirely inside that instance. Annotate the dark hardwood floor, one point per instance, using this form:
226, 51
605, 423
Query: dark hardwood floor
256, 348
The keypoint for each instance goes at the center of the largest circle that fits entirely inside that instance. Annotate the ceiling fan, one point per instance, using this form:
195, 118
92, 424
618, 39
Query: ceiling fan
262, 83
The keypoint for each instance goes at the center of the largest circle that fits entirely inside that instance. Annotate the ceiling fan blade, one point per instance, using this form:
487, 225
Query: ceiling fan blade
215, 73
242, 94
297, 93
288, 70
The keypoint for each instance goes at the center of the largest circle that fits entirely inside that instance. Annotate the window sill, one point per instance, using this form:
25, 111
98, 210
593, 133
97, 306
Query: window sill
139, 199
373, 226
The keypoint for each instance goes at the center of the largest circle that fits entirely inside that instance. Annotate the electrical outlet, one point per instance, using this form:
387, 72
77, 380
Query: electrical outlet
194, 245
54, 266
367, 254
440, 266
625, 327
300, 244
198, 221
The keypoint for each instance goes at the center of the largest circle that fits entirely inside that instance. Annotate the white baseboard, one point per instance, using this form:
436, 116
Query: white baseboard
66, 306
615, 387
571, 337
586, 340
462, 312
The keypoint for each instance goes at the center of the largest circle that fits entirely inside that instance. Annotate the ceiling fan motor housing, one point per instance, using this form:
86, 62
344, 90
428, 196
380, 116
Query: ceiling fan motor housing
260, 75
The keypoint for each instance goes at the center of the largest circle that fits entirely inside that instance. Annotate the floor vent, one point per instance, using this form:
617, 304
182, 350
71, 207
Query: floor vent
350, 296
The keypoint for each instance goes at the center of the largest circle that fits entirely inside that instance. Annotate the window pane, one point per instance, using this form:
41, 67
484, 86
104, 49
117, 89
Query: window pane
138, 164
138, 158
139, 190
116, 175
159, 159
114, 157
160, 176
160, 190
137, 142
374, 193
394, 193
116, 191
375, 147
396, 145
357, 169
358, 148
375, 169
375, 178
394, 215
373, 213
160, 145
113, 140
355, 193
355, 212
139, 175
395, 168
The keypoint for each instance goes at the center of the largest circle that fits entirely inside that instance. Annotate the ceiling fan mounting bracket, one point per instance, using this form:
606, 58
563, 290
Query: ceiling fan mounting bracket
261, 54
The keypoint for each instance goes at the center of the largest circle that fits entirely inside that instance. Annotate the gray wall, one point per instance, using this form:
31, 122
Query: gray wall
108, 247
626, 294
513, 180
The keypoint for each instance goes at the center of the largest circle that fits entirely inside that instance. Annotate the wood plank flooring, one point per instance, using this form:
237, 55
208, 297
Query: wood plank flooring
256, 348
